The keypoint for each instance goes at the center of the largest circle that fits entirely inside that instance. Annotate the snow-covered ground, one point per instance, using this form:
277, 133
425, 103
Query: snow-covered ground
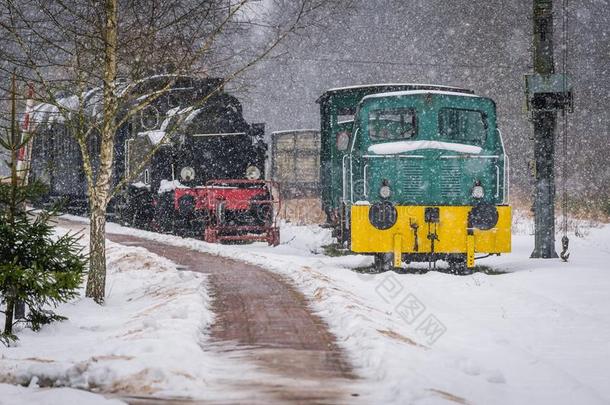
538, 334
14, 394
146, 338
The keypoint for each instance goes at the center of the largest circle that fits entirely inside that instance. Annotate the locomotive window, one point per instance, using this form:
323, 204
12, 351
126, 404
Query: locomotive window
468, 126
344, 118
392, 124
345, 114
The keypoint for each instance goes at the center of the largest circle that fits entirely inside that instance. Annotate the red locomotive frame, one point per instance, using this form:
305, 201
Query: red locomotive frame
219, 197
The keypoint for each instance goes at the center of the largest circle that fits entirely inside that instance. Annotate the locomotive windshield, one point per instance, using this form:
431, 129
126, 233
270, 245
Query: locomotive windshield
345, 118
392, 124
463, 126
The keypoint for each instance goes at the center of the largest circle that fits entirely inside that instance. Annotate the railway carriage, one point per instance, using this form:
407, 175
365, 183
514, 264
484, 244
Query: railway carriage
205, 178
295, 165
417, 173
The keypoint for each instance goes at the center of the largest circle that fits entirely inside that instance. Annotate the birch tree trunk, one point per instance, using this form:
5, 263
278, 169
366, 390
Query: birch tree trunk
100, 184
96, 282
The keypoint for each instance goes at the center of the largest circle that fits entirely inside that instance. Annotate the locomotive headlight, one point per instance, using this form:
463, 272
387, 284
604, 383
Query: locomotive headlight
253, 173
477, 191
187, 173
384, 191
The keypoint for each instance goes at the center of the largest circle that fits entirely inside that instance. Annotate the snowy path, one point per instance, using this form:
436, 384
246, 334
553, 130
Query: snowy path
262, 320
276, 349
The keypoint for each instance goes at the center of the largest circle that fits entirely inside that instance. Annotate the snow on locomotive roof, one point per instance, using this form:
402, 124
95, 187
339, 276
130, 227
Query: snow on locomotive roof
50, 113
91, 100
415, 92
390, 148
438, 86
64, 107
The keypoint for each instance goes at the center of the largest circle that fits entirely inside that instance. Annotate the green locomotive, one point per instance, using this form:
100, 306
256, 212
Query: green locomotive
414, 173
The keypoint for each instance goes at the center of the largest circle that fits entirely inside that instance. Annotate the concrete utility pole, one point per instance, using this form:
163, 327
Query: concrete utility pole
546, 93
544, 120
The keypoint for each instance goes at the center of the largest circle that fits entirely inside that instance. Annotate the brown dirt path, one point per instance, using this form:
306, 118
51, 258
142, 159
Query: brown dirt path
265, 321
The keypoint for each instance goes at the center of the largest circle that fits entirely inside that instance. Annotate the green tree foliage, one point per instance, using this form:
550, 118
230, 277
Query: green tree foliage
36, 267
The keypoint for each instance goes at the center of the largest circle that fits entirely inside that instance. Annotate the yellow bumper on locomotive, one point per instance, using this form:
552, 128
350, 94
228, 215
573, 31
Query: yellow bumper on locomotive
451, 230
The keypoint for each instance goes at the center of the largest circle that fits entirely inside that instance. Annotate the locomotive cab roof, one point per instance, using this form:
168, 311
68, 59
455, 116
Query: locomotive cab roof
419, 92
428, 92
389, 87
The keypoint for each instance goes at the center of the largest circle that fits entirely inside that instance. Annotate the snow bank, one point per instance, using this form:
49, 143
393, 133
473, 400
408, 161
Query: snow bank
145, 339
11, 394
388, 148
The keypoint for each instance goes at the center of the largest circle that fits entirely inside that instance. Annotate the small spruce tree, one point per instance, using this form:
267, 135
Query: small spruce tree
36, 267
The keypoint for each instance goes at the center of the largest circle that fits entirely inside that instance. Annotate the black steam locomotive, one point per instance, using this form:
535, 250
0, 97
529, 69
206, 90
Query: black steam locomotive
205, 177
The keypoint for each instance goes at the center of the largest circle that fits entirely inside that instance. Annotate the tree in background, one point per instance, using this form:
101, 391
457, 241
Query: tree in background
74, 46
36, 268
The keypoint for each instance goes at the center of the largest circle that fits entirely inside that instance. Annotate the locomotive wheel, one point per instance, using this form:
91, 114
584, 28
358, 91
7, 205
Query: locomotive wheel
188, 227
261, 209
458, 266
273, 237
343, 231
383, 262
120, 210
136, 208
165, 213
